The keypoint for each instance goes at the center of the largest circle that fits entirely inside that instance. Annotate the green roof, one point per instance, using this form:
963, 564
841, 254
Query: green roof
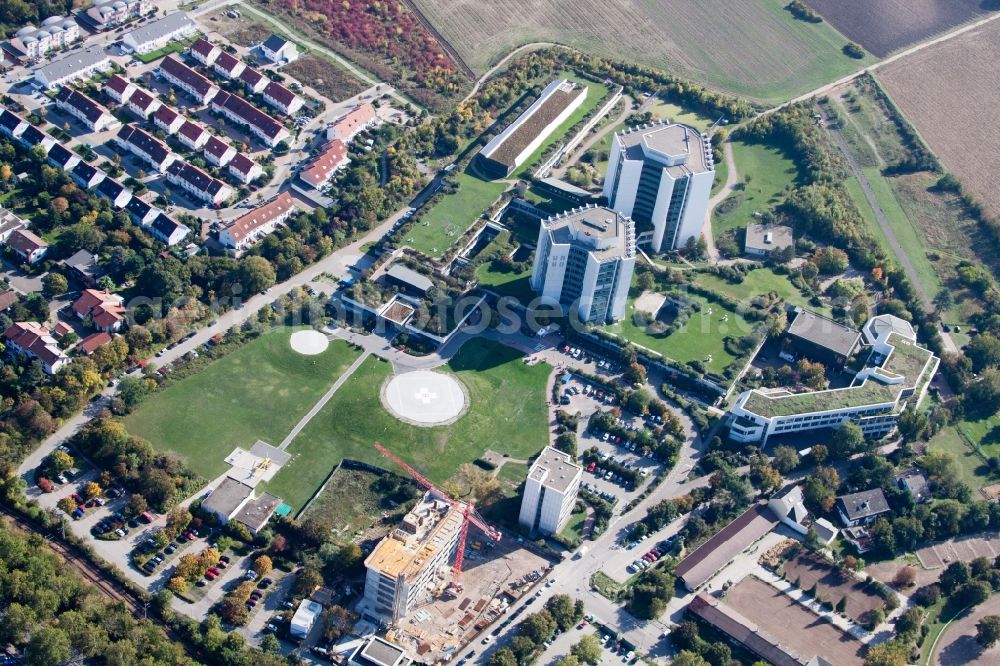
907, 360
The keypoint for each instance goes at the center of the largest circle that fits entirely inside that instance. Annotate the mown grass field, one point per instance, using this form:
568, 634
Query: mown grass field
452, 215
769, 172
506, 284
259, 391
753, 48
760, 281
507, 413
700, 337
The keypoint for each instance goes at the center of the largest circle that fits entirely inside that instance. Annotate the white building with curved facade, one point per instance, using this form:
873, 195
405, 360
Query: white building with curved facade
661, 176
56, 32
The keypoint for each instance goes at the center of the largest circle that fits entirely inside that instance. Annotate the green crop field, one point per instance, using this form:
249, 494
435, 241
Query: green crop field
507, 413
259, 391
753, 48
770, 171
700, 337
434, 233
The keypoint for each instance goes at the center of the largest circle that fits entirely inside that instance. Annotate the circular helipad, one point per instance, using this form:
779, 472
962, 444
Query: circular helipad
425, 398
309, 343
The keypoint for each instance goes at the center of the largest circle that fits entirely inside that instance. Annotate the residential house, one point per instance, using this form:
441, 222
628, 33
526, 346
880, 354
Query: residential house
106, 14
63, 158
9, 223
192, 135
141, 212
242, 112
27, 245
79, 65
246, 230
56, 32
83, 267
253, 80
198, 184
859, 509
914, 482
12, 124
32, 136
228, 65
34, 340
105, 310
281, 98
244, 169
168, 120
90, 343
86, 176
142, 104
145, 146
218, 152
157, 34
94, 116
359, 118
119, 88
318, 171
169, 231
205, 51
279, 50
7, 299
789, 507
115, 192
188, 80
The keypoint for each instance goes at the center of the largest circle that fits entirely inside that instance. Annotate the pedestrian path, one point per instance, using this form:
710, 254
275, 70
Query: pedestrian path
322, 401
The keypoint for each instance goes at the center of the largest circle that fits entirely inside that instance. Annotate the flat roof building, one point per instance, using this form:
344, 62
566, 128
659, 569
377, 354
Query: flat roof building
80, 65
405, 566
821, 338
584, 262
510, 148
305, 617
661, 176
378, 652
549, 492
157, 34
763, 239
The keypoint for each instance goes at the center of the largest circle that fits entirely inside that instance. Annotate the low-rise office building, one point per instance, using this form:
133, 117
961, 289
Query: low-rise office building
584, 262
763, 240
549, 492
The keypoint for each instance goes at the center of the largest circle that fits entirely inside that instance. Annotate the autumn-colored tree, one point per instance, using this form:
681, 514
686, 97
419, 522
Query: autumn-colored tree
67, 504
92, 490
177, 584
263, 565
905, 577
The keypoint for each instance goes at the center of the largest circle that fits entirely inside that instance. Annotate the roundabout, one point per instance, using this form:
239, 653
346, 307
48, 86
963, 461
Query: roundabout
425, 398
309, 343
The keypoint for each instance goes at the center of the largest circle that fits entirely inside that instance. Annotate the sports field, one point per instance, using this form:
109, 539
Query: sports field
259, 391
700, 337
763, 174
507, 413
753, 48
434, 233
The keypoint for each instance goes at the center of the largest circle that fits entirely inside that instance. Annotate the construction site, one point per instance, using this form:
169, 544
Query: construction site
437, 583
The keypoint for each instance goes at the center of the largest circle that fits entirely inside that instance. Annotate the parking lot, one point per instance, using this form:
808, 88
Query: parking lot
963, 549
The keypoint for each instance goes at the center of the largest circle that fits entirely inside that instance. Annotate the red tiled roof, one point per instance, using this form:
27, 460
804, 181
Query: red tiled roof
36, 339
92, 342
347, 124
216, 147
242, 227
192, 131
318, 170
93, 298
279, 93
8, 299
242, 163
184, 73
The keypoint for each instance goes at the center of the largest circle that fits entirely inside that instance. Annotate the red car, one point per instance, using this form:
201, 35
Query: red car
76, 498
591, 467
209, 575
221, 565
214, 571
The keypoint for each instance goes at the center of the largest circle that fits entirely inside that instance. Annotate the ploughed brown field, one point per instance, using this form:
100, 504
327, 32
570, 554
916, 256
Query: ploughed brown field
949, 92
884, 26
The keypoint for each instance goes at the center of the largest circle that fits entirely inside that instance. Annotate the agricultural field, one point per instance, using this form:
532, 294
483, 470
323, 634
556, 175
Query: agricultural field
752, 48
448, 219
324, 77
698, 339
763, 174
507, 413
884, 26
259, 391
947, 91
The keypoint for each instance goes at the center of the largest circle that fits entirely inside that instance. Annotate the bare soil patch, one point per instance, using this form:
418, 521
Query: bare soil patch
884, 26
324, 77
832, 584
958, 645
948, 92
794, 625
243, 30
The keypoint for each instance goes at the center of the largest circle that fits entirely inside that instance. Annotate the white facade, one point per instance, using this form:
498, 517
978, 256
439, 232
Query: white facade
157, 34
661, 176
81, 65
549, 492
898, 373
56, 32
584, 262
305, 617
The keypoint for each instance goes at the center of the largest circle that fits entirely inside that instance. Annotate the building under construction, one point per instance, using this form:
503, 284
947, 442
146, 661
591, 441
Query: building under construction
409, 566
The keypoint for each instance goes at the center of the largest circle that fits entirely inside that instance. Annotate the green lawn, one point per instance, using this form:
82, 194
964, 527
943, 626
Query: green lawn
511, 476
452, 215
770, 171
861, 201
756, 282
676, 113
721, 174
506, 284
595, 93
259, 391
507, 413
574, 526
970, 466
984, 432
172, 47
702, 335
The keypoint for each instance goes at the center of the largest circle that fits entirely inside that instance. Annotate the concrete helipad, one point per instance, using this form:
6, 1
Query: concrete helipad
425, 398
309, 343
